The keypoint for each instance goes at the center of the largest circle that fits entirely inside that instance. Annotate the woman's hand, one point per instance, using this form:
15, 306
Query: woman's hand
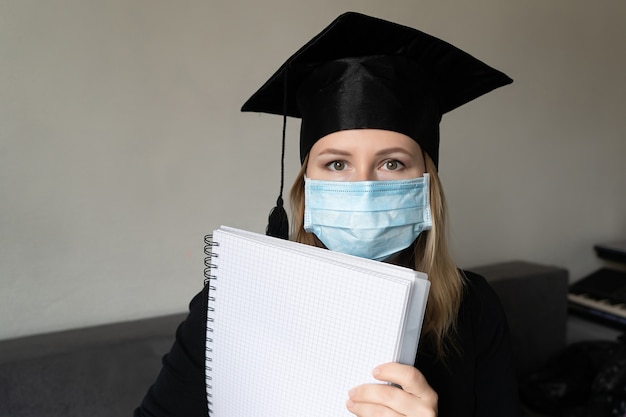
415, 399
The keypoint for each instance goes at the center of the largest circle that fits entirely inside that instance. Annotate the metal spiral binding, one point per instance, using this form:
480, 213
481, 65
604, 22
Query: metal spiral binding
208, 251
209, 282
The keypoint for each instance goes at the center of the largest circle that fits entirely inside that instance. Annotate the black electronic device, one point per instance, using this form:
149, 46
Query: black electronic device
615, 251
601, 296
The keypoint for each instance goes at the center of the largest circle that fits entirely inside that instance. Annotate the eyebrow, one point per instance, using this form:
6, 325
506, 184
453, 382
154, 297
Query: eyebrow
394, 150
385, 151
332, 151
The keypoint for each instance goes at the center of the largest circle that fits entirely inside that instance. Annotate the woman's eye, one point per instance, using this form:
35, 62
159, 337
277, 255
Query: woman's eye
337, 165
392, 165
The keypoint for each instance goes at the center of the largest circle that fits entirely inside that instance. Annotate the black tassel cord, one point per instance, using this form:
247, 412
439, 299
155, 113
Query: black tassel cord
278, 222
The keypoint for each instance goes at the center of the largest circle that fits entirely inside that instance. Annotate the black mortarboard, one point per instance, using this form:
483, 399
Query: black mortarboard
365, 72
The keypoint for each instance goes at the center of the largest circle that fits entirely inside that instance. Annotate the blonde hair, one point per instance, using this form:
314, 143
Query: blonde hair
430, 255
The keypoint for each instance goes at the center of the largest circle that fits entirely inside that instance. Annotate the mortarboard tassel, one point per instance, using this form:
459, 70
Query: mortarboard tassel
278, 222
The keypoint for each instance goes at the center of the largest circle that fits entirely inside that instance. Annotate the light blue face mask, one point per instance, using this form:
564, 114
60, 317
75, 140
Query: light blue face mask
370, 219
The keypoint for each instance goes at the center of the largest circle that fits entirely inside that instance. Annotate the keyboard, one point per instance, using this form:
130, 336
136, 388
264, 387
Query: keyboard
600, 296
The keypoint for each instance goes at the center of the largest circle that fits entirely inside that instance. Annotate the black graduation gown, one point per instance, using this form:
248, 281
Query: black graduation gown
478, 380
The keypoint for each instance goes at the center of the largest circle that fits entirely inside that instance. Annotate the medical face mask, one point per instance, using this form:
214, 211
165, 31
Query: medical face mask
370, 219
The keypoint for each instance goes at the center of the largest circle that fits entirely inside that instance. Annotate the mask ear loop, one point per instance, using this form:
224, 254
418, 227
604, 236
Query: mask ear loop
278, 222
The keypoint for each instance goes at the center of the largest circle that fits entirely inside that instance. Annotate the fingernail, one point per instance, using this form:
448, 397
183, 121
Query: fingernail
376, 371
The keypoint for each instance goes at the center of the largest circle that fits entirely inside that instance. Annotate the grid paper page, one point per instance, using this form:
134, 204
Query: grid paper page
292, 334
419, 297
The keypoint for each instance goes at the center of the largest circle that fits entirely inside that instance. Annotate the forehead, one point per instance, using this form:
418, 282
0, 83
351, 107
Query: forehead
365, 140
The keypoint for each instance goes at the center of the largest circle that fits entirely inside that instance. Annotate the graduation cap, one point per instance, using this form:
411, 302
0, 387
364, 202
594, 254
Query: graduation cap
364, 72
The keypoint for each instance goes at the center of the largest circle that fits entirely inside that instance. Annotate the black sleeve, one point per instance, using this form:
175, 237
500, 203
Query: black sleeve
476, 378
180, 387
495, 382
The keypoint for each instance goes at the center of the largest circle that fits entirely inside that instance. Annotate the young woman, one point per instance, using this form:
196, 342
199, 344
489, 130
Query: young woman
370, 94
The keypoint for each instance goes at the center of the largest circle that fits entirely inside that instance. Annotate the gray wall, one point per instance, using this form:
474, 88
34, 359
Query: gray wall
122, 144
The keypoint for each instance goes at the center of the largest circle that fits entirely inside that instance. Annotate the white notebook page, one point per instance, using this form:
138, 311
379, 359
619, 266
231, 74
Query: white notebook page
292, 333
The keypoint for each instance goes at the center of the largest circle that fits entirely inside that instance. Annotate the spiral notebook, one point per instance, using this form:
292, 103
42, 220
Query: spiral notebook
292, 328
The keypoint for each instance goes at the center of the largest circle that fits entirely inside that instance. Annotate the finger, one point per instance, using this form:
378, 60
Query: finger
373, 397
368, 410
408, 377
